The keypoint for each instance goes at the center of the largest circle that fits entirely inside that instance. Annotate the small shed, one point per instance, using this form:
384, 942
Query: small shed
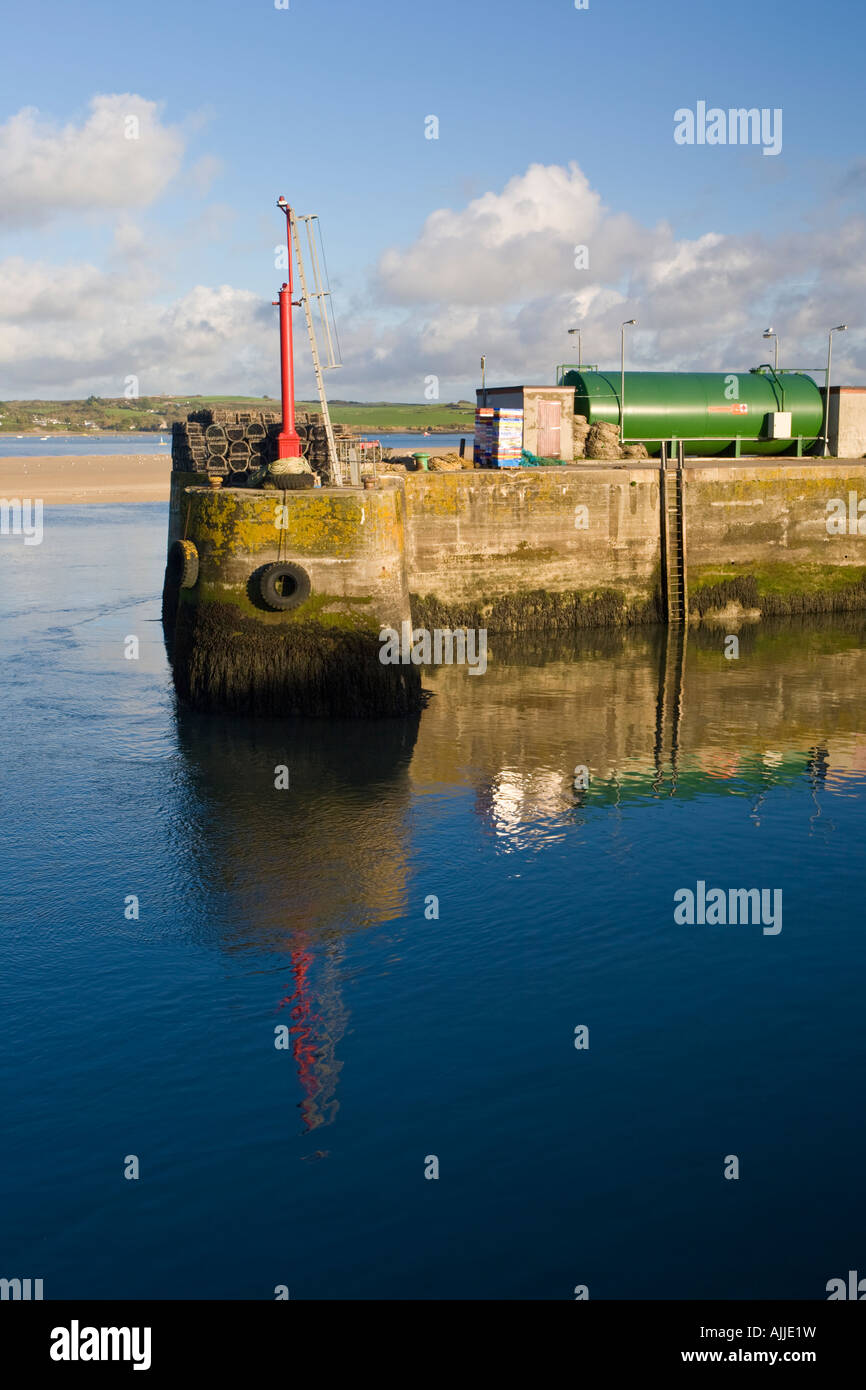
548, 416
847, 423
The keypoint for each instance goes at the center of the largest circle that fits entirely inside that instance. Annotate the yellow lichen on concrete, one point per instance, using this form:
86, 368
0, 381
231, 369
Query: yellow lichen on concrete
318, 522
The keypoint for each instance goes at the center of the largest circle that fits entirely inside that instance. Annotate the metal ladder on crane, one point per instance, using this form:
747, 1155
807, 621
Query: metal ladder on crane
321, 296
673, 534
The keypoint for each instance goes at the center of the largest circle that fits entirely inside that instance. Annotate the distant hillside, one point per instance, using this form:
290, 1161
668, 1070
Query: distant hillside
159, 412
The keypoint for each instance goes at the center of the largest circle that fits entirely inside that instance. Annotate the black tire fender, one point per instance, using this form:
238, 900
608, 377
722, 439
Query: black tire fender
284, 585
183, 564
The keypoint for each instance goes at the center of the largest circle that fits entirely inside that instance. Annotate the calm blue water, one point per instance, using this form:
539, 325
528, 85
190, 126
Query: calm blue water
29, 446
412, 1036
417, 443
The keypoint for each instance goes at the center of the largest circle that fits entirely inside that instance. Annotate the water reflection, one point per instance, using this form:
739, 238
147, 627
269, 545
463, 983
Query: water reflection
296, 870
654, 714
318, 1021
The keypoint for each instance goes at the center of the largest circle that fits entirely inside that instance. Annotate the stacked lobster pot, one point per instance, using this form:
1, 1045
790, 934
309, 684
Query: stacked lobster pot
235, 444
314, 442
188, 447
231, 444
352, 456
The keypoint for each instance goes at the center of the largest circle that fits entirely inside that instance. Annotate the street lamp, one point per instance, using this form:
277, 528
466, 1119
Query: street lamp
840, 328
770, 333
483, 387
629, 323
579, 350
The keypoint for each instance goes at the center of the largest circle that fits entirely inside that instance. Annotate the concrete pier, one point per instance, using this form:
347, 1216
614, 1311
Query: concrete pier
513, 550
343, 549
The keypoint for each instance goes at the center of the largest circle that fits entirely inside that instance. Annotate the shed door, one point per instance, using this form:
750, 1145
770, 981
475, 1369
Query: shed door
548, 429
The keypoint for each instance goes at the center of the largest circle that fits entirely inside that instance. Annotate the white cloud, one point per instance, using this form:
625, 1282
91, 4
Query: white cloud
502, 245
496, 277
104, 327
121, 156
506, 261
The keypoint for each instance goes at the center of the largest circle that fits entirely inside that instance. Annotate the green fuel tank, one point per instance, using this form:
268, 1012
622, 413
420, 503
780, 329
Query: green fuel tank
711, 412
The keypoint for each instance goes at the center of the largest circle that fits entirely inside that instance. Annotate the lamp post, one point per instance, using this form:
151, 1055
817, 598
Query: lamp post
629, 323
771, 333
483, 386
579, 347
840, 328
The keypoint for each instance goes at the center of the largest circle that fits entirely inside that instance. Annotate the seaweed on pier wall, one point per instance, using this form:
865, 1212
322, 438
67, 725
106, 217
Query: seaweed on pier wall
538, 610
224, 661
780, 591
170, 600
742, 591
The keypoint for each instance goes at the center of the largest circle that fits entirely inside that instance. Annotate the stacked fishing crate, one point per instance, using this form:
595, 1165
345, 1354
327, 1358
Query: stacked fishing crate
508, 438
498, 437
483, 436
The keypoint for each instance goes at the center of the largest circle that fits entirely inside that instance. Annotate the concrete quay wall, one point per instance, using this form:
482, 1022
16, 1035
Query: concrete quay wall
536, 548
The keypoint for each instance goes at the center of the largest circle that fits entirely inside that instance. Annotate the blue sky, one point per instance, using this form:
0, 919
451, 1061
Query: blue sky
326, 103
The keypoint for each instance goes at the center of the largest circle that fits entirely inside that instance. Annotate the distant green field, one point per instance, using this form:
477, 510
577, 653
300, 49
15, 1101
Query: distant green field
383, 415
159, 413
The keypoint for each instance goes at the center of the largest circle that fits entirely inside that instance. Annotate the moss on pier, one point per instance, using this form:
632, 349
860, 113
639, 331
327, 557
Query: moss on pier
338, 611
777, 590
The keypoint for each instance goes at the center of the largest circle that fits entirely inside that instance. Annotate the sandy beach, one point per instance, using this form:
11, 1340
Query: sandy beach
60, 480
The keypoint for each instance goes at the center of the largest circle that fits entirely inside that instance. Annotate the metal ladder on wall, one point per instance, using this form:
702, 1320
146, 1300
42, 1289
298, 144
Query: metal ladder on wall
673, 529
669, 705
321, 296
